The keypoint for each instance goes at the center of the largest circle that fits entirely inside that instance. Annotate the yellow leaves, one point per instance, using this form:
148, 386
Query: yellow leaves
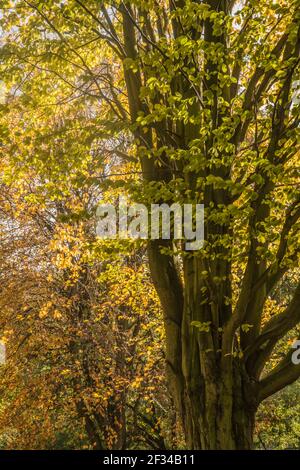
7, 336
57, 314
136, 383
44, 311
62, 261
47, 309
271, 308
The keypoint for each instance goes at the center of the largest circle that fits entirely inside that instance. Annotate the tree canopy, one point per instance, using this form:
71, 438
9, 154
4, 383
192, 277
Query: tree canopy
182, 101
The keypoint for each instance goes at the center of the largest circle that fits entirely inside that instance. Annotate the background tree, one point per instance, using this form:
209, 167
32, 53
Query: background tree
80, 323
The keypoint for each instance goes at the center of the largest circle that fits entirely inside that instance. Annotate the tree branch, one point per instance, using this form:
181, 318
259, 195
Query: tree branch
284, 374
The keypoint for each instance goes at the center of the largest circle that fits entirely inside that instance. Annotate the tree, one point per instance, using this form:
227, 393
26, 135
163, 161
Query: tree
81, 324
207, 91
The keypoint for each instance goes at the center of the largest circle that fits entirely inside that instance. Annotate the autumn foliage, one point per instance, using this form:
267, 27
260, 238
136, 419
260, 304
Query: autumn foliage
126, 344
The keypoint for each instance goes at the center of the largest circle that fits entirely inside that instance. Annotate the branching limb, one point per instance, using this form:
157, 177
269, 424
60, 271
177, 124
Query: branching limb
284, 374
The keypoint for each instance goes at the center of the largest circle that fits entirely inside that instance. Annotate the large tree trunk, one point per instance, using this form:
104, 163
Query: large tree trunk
214, 396
217, 415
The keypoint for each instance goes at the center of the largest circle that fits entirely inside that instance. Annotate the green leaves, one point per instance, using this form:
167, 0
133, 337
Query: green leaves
246, 327
203, 327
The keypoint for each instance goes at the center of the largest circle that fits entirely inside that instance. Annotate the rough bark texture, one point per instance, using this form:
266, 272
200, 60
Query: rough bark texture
214, 395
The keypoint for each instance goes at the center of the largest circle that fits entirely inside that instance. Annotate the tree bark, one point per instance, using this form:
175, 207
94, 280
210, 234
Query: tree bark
210, 424
214, 396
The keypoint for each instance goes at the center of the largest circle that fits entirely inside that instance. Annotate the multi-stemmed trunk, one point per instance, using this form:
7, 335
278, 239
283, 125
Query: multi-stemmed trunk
217, 411
215, 398
216, 418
